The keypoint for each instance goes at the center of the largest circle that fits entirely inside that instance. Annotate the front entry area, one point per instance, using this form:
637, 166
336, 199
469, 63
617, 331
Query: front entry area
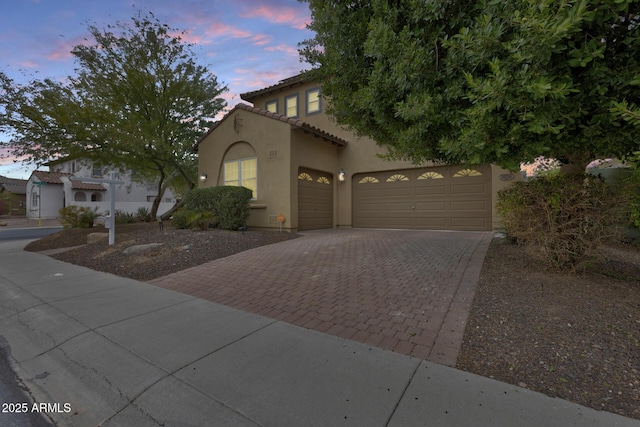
435, 198
315, 199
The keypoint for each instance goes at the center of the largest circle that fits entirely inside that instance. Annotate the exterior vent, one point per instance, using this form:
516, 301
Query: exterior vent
272, 153
273, 219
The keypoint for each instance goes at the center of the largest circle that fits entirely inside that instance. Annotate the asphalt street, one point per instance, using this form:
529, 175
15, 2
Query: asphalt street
26, 233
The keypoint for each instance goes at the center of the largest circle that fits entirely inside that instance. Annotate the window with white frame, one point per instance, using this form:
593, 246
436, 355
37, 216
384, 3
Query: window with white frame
242, 173
291, 106
271, 106
314, 102
34, 199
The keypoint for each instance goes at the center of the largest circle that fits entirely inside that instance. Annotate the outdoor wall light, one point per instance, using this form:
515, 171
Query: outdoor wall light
203, 177
341, 175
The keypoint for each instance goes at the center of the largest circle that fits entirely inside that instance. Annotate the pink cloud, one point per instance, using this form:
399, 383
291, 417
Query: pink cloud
6, 158
260, 39
218, 29
29, 64
296, 18
191, 38
290, 50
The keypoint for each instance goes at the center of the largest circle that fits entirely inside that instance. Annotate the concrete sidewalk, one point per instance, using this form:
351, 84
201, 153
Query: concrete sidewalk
104, 350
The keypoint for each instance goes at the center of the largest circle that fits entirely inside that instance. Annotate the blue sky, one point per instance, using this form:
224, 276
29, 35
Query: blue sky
247, 44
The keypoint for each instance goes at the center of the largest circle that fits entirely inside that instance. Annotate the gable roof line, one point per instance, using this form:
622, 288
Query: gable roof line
306, 127
289, 81
54, 178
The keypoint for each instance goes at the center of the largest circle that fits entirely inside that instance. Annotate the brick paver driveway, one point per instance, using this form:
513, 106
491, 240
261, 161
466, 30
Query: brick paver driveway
406, 291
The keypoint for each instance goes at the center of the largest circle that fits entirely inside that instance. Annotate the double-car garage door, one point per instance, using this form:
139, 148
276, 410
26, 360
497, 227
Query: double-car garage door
447, 198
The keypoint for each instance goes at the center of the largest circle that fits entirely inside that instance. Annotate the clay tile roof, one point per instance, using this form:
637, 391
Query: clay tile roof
307, 128
288, 82
79, 185
50, 177
54, 178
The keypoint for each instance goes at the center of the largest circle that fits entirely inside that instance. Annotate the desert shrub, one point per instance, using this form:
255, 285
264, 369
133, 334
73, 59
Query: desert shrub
566, 217
121, 217
180, 219
77, 217
633, 188
229, 205
143, 214
185, 218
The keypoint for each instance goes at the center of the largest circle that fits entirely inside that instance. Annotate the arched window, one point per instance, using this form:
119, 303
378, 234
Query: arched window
79, 196
96, 197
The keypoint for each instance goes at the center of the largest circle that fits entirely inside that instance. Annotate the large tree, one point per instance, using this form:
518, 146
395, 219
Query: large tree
138, 101
481, 81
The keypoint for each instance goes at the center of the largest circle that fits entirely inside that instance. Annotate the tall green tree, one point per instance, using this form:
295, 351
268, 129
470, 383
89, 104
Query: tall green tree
480, 81
138, 101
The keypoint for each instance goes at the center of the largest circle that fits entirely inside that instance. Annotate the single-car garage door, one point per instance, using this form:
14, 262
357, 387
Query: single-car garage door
315, 200
445, 198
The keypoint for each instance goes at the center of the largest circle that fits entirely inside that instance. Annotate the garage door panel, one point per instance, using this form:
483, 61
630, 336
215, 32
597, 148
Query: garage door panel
430, 198
432, 206
469, 205
315, 200
478, 188
435, 190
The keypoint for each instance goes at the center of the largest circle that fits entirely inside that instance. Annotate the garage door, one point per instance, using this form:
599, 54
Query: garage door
315, 200
445, 198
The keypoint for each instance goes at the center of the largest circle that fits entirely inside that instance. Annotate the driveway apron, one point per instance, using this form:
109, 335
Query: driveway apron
405, 291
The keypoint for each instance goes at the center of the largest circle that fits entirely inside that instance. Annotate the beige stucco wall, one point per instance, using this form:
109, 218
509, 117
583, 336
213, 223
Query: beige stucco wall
240, 135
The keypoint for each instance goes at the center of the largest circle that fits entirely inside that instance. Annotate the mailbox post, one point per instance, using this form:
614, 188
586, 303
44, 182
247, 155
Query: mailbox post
110, 221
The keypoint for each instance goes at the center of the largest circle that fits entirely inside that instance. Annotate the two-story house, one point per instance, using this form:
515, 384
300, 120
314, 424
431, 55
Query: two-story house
49, 191
302, 166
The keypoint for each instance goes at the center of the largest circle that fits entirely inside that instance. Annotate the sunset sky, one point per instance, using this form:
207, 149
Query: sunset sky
247, 44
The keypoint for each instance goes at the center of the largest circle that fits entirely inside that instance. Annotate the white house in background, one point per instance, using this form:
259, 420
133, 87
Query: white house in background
48, 192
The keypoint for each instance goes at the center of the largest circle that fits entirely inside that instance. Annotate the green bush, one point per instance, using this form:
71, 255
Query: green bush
200, 199
230, 205
77, 217
566, 217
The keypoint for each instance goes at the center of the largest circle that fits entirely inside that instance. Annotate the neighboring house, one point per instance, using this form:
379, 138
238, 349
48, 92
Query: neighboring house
302, 166
48, 192
13, 196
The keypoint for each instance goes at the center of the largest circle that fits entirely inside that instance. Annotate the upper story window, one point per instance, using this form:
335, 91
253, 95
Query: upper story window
271, 106
96, 171
291, 106
242, 173
314, 101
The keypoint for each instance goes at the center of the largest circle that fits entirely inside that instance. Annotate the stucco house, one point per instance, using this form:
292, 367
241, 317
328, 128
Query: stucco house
49, 191
303, 167
12, 196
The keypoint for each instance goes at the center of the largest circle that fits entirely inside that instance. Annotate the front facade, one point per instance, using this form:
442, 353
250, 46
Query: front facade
304, 168
48, 192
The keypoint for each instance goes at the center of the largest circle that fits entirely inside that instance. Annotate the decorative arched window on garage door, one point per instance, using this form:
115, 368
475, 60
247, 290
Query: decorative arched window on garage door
368, 180
467, 172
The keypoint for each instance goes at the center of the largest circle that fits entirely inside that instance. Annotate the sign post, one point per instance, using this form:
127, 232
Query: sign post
39, 184
110, 221
281, 220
